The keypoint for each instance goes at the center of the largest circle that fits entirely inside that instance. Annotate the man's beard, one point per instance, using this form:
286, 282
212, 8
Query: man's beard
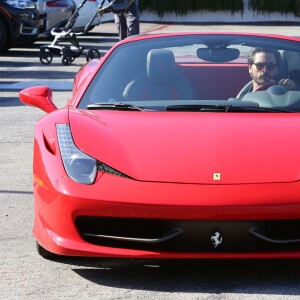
262, 79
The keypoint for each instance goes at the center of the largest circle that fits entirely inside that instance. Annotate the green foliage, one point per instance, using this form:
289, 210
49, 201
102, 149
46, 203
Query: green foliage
182, 7
282, 6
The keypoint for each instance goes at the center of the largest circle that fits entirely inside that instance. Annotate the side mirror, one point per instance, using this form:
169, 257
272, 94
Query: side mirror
38, 96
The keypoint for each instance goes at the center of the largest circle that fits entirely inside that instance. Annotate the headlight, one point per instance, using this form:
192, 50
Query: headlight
78, 165
21, 3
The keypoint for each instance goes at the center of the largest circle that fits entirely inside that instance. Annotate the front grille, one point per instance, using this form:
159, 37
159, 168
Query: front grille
28, 29
191, 236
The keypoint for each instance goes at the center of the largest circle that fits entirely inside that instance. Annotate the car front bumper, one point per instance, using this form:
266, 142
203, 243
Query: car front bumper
119, 217
28, 25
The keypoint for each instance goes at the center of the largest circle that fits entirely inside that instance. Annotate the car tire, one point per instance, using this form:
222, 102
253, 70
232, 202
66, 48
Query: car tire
3, 36
43, 252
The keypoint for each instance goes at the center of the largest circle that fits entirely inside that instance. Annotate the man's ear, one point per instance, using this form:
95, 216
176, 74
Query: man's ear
250, 71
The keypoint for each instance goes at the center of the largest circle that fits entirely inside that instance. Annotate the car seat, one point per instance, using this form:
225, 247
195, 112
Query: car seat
293, 61
159, 80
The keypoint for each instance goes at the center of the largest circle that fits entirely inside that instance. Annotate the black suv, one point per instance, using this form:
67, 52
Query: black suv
20, 22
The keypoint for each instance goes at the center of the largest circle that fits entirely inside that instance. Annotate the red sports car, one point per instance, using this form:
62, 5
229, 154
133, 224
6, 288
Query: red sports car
182, 145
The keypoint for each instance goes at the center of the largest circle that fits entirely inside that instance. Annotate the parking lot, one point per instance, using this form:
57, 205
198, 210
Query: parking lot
26, 275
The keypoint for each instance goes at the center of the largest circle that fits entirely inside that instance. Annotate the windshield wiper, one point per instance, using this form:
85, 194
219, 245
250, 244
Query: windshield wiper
223, 108
259, 109
197, 107
114, 106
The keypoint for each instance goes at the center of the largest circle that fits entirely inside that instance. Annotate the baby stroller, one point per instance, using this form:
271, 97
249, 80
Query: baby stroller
65, 43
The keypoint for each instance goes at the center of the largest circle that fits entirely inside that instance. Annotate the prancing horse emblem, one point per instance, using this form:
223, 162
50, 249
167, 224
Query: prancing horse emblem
217, 239
216, 176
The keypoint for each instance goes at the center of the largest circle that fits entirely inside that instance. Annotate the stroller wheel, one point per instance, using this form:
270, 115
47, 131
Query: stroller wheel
46, 56
92, 53
67, 60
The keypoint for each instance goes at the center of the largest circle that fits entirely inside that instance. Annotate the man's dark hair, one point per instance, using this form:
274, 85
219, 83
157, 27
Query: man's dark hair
253, 51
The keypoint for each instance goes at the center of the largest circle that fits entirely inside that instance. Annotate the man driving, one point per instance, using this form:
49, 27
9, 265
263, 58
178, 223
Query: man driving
263, 67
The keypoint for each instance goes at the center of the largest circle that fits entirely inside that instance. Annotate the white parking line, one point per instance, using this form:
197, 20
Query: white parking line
54, 85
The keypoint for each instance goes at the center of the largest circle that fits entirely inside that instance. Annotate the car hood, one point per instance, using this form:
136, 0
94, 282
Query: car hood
194, 147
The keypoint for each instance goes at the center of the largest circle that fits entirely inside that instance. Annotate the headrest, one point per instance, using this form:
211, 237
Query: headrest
283, 69
293, 61
160, 66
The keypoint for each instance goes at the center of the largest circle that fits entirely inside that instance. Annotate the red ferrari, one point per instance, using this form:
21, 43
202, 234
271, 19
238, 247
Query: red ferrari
179, 145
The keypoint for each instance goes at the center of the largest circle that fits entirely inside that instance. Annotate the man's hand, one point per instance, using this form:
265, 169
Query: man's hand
287, 83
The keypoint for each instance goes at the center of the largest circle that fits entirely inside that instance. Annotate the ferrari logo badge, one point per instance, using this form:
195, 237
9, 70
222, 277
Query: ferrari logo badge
217, 176
216, 239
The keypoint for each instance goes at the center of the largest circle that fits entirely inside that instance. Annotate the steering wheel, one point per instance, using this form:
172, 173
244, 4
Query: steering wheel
266, 85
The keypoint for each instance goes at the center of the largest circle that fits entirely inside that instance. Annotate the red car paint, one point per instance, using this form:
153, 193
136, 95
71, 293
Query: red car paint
195, 166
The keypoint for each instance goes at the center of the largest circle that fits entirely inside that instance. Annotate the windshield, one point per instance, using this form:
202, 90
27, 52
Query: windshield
200, 72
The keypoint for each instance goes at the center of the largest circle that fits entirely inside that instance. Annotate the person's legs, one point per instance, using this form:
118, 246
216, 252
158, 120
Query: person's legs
120, 21
133, 20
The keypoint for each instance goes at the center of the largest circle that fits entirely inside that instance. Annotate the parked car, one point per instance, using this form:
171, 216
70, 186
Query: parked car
59, 12
154, 156
86, 13
20, 22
